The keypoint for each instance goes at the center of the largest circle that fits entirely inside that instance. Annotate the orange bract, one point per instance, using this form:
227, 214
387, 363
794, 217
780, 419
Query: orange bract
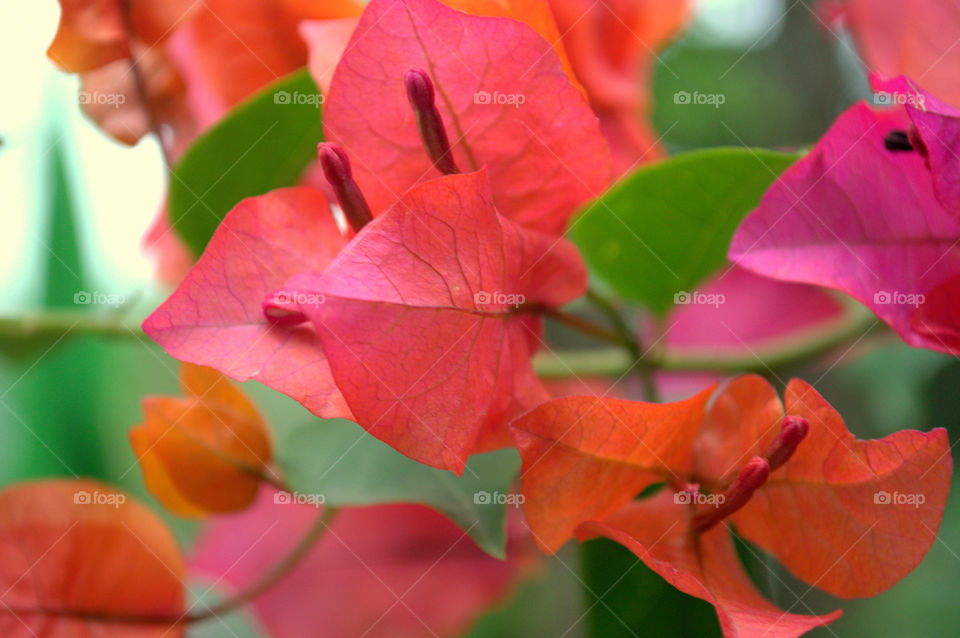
586, 457
79, 558
204, 452
93, 33
239, 46
851, 517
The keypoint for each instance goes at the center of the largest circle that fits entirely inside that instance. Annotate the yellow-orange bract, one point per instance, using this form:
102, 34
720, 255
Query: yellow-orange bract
205, 452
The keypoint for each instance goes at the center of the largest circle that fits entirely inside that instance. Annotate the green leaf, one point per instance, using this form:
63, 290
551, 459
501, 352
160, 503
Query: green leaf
348, 466
625, 598
262, 144
665, 228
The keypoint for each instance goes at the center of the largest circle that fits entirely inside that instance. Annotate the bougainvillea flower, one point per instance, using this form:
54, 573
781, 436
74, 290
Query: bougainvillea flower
428, 319
397, 571
916, 38
327, 39
612, 47
206, 452
510, 108
935, 134
79, 558
855, 216
215, 317
101, 39
94, 33
852, 517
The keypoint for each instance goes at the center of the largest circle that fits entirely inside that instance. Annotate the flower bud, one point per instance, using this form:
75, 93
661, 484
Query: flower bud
422, 99
336, 168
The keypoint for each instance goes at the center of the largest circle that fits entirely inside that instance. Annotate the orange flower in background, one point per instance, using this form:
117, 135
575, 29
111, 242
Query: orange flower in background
205, 452
612, 47
102, 39
80, 558
231, 48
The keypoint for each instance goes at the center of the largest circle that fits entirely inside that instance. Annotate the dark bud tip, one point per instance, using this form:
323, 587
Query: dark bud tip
419, 89
335, 164
421, 95
897, 141
336, 168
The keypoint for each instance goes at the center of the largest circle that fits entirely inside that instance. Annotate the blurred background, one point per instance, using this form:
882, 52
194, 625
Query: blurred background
76, 205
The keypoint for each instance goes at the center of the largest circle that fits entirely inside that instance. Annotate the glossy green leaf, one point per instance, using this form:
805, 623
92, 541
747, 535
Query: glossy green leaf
348, 466
663, 229
264, 143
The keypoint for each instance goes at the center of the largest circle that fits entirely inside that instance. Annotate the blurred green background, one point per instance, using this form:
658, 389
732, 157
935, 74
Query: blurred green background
67, 402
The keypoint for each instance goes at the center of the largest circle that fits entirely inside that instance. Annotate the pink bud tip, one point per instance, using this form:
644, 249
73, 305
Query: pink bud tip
419, 89
278, 310
335, 163
792, 432
336, 168
422, 98
753, 475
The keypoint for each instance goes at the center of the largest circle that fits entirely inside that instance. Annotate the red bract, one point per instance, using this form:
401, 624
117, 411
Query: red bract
397, 571
849, 516
502, 93
215, 317
426, 319
855, 216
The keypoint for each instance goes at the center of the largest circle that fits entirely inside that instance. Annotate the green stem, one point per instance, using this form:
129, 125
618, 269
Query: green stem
55, 325
632, 342
612, 361
277, 572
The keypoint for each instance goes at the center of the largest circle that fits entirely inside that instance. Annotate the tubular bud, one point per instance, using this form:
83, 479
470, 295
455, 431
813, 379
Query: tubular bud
279, 308
336, 168
792, 432
753, 475
422, 100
